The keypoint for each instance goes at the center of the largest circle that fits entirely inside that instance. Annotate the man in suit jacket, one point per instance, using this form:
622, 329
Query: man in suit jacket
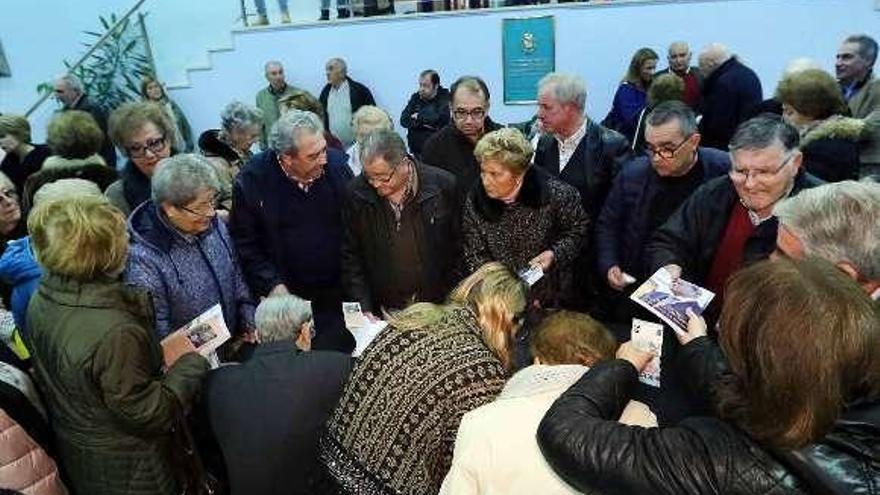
579, 152
341, 97
267, 412
854, 68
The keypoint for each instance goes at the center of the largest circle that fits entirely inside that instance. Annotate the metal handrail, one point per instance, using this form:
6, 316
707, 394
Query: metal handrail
101, 41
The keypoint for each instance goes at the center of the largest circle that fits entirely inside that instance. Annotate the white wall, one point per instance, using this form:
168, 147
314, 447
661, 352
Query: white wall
37, 35
595, 41
387, 54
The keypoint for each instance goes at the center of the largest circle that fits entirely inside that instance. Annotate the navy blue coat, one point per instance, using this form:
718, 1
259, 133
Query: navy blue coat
283, 234
730, 95
622, 228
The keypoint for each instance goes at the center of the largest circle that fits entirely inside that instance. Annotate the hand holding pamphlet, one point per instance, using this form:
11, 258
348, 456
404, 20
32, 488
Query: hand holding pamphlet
648, 336
204, 335
362, 328
670, 297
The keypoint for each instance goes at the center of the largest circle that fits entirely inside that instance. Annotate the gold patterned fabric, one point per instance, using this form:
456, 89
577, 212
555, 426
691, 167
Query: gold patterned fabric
394, 429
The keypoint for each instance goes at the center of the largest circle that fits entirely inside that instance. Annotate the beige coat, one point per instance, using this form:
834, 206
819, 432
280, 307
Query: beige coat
496, 452
24, 466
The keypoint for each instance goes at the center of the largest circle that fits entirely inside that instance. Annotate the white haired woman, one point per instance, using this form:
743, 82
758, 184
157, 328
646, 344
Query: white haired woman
182, 253
229, 148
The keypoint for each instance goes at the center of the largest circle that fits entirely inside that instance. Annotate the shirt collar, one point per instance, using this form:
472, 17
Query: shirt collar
574, 139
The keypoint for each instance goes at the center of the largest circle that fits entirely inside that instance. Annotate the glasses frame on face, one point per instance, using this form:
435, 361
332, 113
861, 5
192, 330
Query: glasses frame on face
663, 152
385, 180
461, 114
154, 146
761, 176
213, 205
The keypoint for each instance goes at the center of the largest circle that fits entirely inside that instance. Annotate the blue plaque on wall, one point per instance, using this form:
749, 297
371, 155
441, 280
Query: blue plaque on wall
529, 53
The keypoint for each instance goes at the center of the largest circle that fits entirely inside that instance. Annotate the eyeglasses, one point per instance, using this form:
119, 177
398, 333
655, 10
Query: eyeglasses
386, 179
207, 211
665, 152
463, 114
738, 175
154, 146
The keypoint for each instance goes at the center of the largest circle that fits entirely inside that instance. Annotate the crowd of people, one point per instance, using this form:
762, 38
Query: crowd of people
498, 261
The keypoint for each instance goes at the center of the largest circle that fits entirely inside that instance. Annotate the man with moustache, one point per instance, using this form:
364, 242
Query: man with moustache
452, 148
400, 224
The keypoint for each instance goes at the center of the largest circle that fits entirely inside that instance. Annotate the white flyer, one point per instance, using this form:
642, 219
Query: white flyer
670, 299
648, 336
353, 315
531, 274
204, 335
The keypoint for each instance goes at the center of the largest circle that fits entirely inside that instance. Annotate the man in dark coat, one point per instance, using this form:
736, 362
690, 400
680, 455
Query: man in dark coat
69, 91
731, 91
452, 148
650, 188
728, 222
581, 153
286, 221
427, 111
341, 97
401, 229
267, 412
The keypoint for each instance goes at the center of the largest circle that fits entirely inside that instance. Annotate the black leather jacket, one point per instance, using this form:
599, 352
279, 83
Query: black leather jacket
587, 448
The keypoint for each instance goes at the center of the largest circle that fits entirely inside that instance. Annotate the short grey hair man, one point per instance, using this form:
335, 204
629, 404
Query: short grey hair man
68, 90
237, 115
285, 318
382, 144
273, 64
565, 88
712, 56
180, 179
338, 63
763, 132
837, 222
677, 111
867, 47
286, 132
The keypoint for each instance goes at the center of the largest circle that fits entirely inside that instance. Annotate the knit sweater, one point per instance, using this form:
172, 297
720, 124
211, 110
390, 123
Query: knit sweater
394, 429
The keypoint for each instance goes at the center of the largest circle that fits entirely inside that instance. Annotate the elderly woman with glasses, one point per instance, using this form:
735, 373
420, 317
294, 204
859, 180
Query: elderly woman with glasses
519, 215
144, 133
182, 253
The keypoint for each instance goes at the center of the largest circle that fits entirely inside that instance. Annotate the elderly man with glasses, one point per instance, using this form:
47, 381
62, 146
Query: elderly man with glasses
650, 188
401, 228
728, 222
287, 225
452, 147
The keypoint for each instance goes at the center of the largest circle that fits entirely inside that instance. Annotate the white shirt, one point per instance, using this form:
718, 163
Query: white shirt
568, 145
339, 113
354, 159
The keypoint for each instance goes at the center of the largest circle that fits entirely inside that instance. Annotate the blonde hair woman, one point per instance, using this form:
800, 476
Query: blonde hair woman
517, 214
95, 357
394, 428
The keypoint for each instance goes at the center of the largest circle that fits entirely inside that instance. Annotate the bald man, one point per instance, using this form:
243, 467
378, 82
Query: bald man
731, 91
679, 58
